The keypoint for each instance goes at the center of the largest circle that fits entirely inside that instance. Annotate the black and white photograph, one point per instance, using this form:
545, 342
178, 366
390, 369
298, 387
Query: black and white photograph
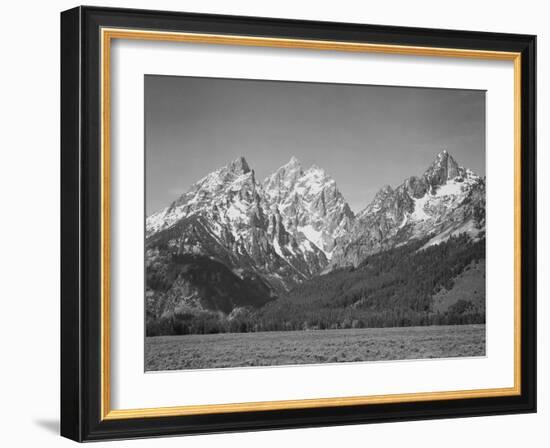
274, 220
294, 223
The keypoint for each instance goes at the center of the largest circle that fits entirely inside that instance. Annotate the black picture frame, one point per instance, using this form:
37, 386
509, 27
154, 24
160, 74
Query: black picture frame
81, 224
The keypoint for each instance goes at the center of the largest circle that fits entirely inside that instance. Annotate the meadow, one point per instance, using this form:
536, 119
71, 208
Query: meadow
273, 348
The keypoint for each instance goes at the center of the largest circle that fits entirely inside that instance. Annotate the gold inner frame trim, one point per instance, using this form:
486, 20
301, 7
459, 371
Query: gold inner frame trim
107, 35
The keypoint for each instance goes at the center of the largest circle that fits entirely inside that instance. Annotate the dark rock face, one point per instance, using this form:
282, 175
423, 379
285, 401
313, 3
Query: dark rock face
415, 187
239, 166
444, 168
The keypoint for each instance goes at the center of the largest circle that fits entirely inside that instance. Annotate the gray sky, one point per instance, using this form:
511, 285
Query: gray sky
363, 136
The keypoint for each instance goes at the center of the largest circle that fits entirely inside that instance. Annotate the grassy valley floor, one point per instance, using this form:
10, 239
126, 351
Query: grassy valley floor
312, 347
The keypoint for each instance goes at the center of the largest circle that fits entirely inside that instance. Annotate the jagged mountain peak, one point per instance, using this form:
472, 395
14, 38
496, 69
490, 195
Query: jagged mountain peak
284, 178
309, 203
442, 169
292, 166
444, 159
446, 200
232, 183
217, 178
239, 224
384, 191
294, 161
239, 166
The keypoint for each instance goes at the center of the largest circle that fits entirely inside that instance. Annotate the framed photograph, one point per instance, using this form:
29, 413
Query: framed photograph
272, 223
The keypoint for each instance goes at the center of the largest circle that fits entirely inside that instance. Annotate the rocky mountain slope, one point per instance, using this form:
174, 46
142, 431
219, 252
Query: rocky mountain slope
309, 203
446, 200
278, 232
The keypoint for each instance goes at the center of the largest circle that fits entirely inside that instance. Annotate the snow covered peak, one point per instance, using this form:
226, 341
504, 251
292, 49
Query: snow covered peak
446, 200
309, 203
282, 181
444, 177
293, 162
288, 174
215, 191
291, 181
293, 165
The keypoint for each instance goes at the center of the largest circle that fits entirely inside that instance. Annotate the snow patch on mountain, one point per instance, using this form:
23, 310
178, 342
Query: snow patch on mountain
314, 236
419, 213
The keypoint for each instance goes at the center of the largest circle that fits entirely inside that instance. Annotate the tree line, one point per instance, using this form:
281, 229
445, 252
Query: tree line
394, 288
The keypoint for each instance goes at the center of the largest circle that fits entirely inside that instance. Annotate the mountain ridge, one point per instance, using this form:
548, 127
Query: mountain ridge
295, 225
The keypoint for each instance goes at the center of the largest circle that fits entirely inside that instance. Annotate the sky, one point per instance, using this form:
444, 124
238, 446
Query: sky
364, 136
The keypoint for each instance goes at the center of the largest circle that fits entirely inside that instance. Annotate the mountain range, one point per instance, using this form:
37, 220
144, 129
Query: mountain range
233, 242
